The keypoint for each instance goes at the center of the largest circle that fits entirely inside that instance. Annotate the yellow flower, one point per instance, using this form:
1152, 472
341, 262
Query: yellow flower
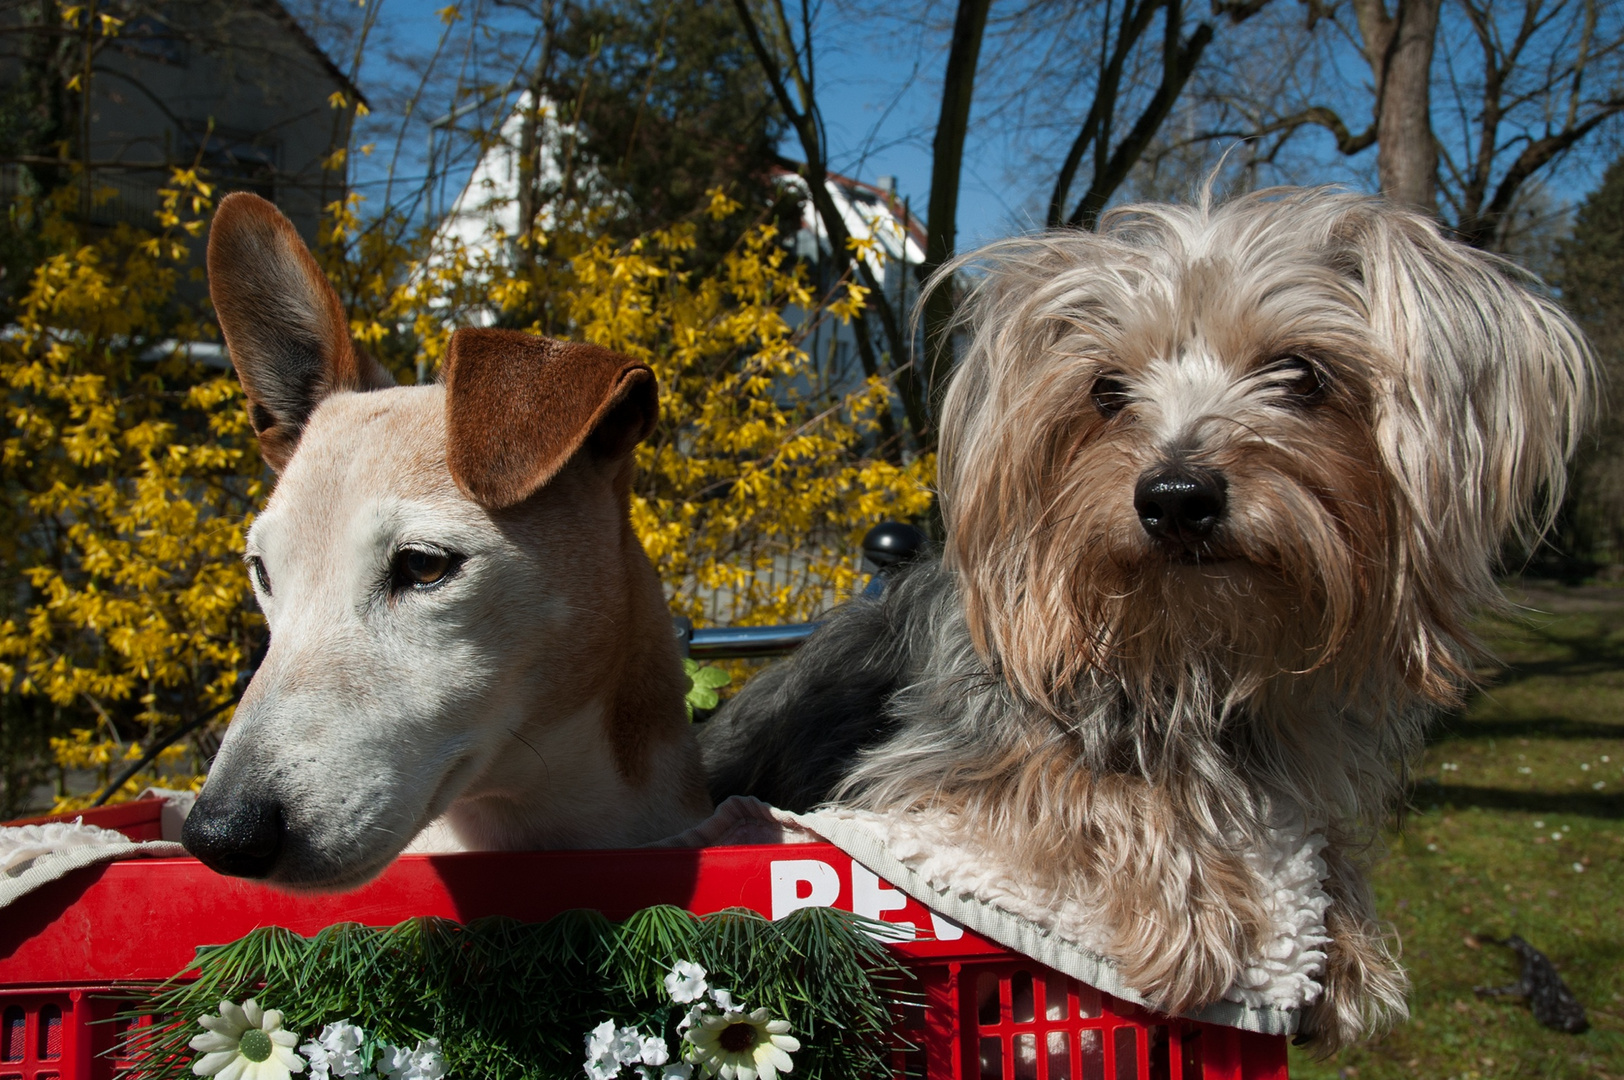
737, 1045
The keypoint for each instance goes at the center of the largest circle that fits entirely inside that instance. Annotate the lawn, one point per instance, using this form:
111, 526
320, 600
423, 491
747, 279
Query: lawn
1516, 826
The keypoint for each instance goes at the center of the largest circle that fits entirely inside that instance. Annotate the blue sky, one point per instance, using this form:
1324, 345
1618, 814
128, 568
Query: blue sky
878, 90
879, 105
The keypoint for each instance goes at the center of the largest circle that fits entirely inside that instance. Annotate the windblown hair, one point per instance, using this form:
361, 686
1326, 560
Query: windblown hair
1123, 710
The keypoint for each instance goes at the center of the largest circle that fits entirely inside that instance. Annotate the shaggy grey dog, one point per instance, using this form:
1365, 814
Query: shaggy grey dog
1223, 486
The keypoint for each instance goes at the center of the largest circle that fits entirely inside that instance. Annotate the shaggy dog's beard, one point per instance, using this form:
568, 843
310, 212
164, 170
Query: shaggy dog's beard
1139, 806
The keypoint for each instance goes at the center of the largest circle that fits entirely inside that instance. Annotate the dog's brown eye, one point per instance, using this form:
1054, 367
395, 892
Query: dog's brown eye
421, 568
1110, 395
256, 569
1298, 377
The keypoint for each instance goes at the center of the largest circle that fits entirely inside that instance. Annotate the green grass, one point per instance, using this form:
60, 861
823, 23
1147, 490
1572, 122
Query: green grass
1516, 825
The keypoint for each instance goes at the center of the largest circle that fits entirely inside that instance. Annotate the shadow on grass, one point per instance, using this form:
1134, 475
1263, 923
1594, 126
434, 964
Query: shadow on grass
1537, 727
1588, 654
1582, 804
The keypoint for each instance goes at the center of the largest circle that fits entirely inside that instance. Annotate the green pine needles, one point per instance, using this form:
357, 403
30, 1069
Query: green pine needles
516, 1000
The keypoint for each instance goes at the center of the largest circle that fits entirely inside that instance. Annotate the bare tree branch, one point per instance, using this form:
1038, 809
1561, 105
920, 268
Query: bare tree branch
1179, 58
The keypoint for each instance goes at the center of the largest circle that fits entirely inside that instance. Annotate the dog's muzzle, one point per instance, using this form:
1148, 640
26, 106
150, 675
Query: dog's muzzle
233, 835
1181, 505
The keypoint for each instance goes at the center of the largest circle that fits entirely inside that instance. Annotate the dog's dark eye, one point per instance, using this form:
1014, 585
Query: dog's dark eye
1298, 377
423, 568
256, 569
1110, 395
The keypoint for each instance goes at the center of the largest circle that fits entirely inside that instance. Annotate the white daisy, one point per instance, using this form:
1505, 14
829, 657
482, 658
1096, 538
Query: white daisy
741, 1046
246, 1042
686, 982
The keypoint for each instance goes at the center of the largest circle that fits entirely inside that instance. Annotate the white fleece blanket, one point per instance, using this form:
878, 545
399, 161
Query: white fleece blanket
912, 852
33, 855
920, 855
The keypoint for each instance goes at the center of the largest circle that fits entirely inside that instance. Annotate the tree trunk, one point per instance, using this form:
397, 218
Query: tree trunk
1399, 48
947, 163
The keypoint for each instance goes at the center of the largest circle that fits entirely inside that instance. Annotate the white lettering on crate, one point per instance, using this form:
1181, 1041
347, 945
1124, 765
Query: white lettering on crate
871, 897
800, 883
946, 929
821, 880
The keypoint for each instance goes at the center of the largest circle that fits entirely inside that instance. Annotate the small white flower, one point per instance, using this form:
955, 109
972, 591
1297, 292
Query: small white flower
692, 1016
724, 1001
610, 1048
394, 1062
422, 1062
686, 982
741, 1046
246, 1043
599, 1038
316, 1058
428, 1063
337, 1052
1578, 868
1539, 824
654, 1051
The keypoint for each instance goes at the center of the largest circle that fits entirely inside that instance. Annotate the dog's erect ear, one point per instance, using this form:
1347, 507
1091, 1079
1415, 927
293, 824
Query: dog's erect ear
283, 324
519, 406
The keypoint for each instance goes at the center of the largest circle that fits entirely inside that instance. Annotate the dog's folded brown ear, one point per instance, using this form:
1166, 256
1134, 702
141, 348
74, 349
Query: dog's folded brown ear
518, 407
283, 324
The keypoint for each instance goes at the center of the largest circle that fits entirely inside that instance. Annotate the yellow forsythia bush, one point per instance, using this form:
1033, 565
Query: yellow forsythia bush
131, 473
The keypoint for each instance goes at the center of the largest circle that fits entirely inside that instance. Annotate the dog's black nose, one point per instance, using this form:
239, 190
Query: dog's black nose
234, 835
1182, 504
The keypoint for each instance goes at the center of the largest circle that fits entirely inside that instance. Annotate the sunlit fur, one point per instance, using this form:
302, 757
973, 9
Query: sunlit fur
1124, 721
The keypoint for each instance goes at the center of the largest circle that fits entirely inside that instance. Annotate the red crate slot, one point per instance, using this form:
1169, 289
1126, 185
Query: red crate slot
13, 1034
45, 1036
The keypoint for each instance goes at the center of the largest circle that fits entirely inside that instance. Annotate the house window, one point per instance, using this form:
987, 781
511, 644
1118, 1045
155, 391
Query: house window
153, 37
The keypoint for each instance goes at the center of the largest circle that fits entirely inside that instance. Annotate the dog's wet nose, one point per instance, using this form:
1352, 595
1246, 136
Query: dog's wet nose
1182, 504
236, 836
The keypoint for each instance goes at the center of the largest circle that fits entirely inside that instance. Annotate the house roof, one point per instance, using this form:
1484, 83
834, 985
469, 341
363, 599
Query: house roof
903, 215
283, 18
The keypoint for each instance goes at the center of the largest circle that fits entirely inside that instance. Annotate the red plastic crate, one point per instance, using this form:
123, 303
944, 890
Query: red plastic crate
66, 949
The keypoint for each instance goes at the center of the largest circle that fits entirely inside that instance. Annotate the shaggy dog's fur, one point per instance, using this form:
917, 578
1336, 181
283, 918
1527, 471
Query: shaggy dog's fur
1222, 488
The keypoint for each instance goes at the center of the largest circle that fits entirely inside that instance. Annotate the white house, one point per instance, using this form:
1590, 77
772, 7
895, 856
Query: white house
485, 214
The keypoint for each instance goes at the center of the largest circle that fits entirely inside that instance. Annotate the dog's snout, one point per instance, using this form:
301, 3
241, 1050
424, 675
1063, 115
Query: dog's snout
1183, 504
237, 836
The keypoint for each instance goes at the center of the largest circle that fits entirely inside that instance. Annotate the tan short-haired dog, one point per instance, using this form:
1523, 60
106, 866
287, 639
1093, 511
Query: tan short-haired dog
463, 625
